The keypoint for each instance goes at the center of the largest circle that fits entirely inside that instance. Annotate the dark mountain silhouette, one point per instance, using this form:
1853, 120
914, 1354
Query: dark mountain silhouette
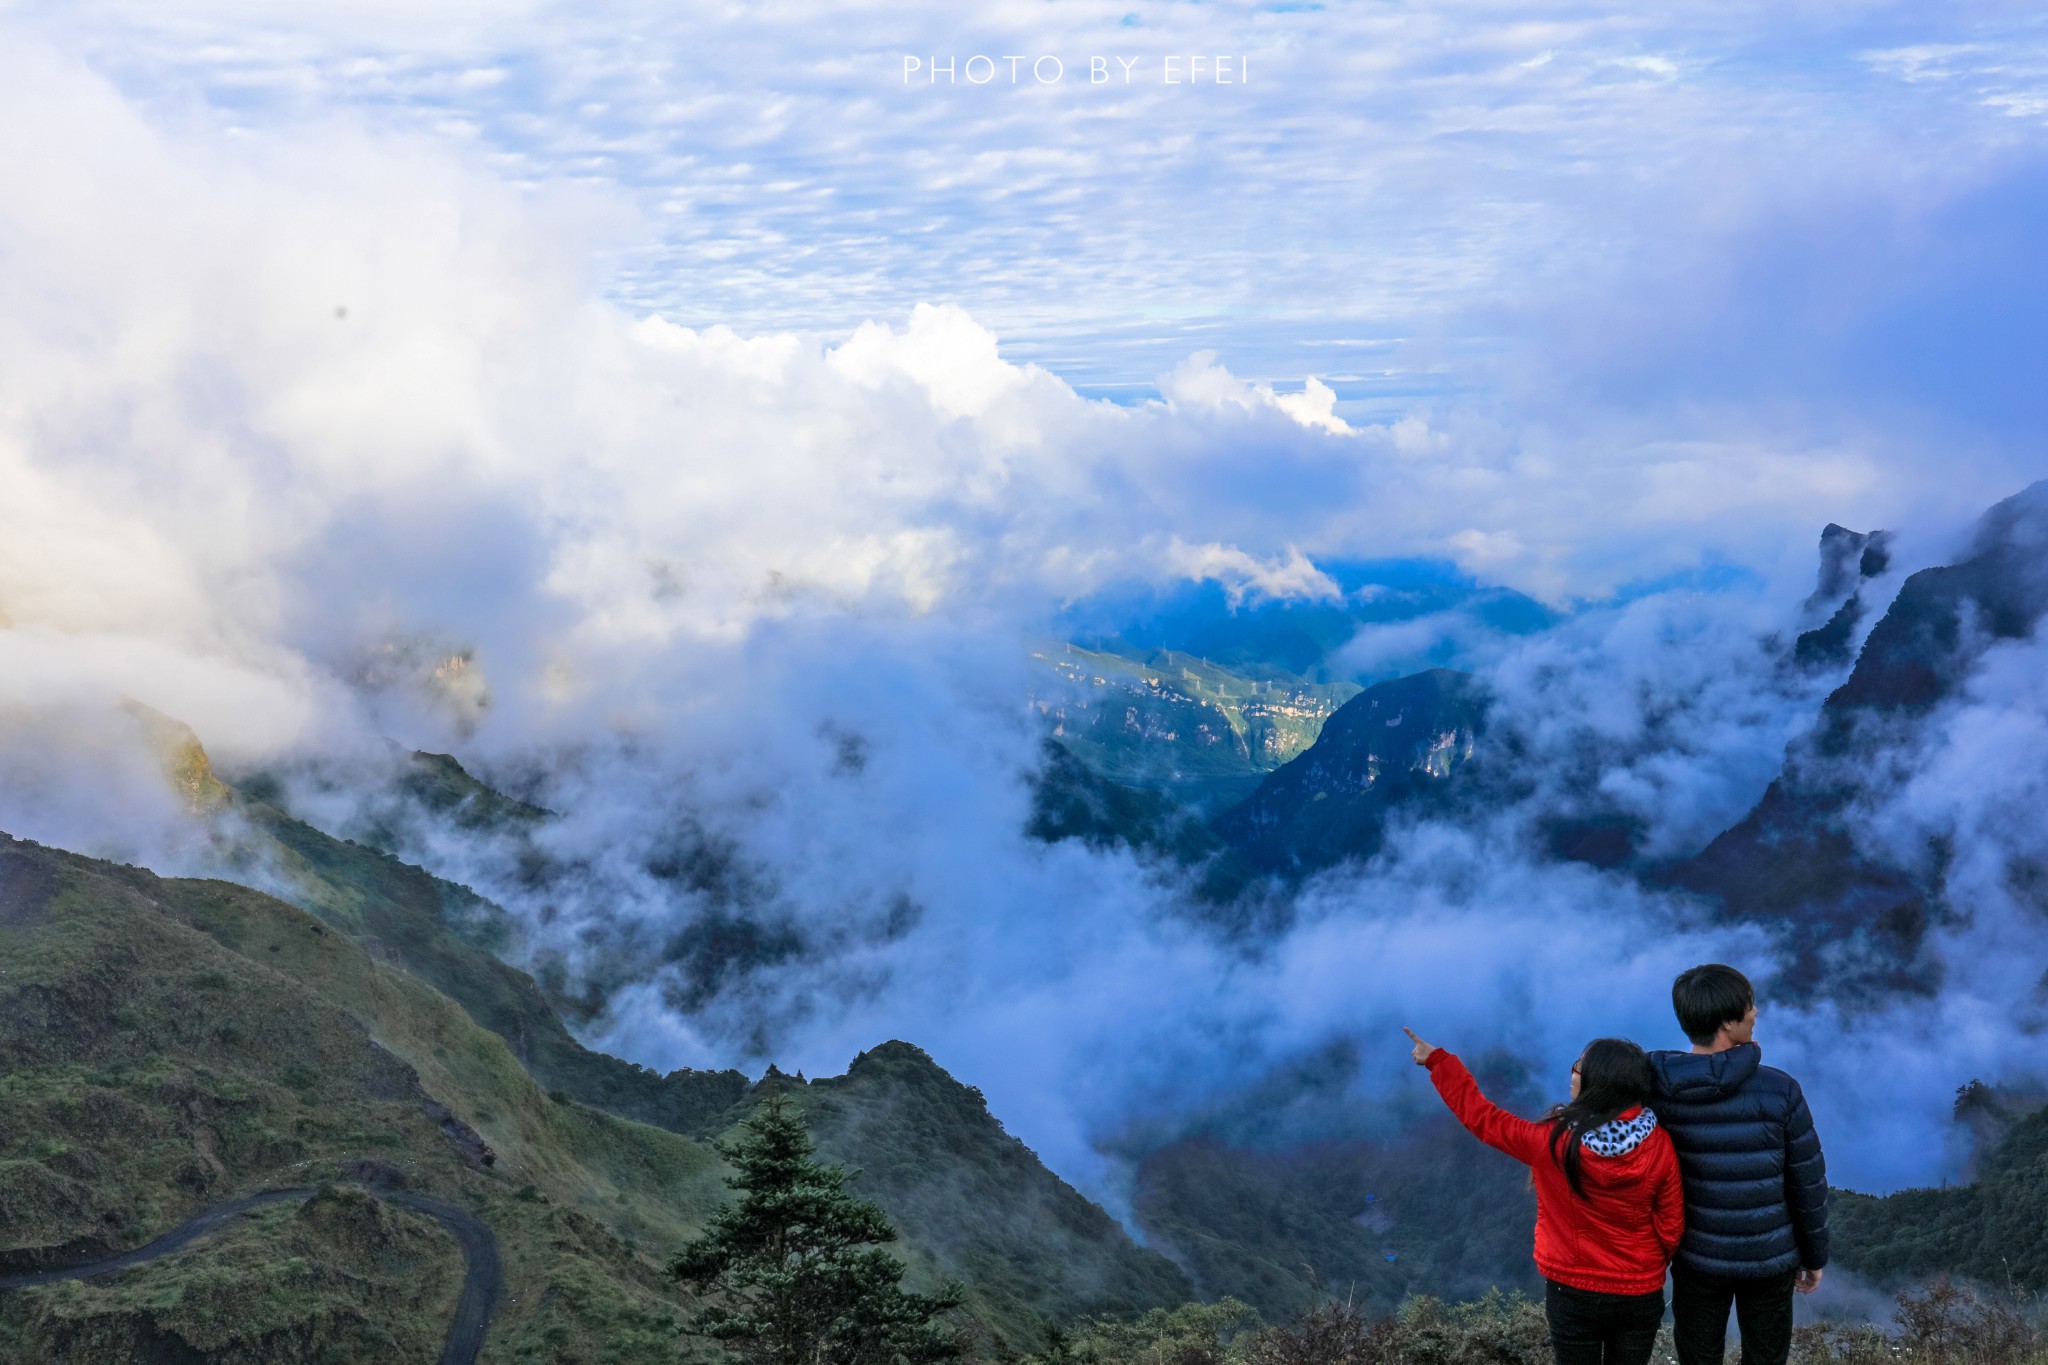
1848, 559
1988, 1230
1071, 801
1793, 862
1404, 742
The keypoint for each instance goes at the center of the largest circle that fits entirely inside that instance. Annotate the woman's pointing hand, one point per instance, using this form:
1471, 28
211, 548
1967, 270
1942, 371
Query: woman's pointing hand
1422, 1049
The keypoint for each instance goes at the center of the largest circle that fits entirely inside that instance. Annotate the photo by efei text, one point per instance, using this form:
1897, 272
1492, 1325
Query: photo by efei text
1015, 69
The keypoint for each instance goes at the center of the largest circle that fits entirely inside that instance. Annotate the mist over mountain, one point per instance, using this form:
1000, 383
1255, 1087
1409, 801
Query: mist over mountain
1256, 1203
673, 693
1715, 727
1395, 746
1856, 849
1436, 606
689, 941
1862, 922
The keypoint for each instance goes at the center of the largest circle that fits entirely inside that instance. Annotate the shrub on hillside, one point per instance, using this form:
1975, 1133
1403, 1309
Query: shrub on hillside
1192, 1334
1495, 1330
1336, 1333
1942, 1324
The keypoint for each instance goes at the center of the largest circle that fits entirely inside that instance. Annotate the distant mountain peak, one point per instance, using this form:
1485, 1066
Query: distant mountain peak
1794, 860
895, 1052
2017, 523
1395, 743
1848, 559
182, 758
1944, 617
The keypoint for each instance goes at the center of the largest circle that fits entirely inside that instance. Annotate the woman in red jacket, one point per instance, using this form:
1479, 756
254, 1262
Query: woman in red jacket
1609, 1205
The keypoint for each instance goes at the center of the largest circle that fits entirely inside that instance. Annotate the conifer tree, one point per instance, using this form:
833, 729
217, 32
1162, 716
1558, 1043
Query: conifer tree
795, 1270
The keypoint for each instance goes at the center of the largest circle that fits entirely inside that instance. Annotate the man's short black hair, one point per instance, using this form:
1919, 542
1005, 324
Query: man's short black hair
1709, 996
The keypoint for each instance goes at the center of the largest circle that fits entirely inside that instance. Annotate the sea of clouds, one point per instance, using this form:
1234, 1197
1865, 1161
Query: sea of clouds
327, 441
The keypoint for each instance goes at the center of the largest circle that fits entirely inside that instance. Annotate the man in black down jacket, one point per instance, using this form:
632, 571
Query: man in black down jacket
1756, 1189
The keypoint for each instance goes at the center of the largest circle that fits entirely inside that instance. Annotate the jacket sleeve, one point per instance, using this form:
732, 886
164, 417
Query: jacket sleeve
1667, 1196
1806, 1183
1496, 1127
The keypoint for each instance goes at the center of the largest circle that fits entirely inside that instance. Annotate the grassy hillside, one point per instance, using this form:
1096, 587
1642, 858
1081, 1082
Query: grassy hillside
930, 1152
1055, 1254
444, 934
254, 1046
172, 1044
1181, 723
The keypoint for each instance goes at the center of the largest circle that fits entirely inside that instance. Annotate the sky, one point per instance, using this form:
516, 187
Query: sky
647, 403
1380, 194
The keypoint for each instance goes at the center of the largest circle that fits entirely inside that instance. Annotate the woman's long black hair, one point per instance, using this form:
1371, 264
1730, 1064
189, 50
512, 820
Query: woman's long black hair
1614, 1075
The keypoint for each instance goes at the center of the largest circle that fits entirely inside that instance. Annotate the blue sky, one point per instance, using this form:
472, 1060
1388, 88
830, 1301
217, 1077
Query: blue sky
1392, 197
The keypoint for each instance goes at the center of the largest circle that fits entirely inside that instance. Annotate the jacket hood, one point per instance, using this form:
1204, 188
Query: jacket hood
1700, 1078
1622, 1135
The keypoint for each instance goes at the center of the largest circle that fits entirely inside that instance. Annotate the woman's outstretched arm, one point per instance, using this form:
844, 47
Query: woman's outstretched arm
1520, 1138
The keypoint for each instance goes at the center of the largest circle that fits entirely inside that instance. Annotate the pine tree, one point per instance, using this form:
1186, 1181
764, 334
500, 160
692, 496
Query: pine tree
795, 1270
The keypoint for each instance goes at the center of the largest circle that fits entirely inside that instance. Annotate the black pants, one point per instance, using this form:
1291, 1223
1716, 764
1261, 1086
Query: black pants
1699, 1315
1588, 1328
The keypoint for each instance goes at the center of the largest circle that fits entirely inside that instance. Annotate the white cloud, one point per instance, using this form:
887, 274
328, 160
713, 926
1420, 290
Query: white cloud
1663, 68
693, 547
1314, 406
1245, 577
1200, 383
826, 193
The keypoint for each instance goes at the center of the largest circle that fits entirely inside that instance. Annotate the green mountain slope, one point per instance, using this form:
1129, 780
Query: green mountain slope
443, 933
1994, 1231
979, 1201
1406, 742
901, 1116
1281, 1219
255, 1047
168, 1045
1180, 723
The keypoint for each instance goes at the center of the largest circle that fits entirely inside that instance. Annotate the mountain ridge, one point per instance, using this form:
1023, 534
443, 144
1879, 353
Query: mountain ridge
406, 919
1793, 861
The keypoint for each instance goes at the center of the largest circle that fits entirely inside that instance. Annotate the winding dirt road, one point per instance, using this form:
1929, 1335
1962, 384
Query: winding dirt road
483, 1278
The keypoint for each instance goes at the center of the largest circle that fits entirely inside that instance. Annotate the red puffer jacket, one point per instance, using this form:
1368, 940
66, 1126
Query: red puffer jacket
1618, 1237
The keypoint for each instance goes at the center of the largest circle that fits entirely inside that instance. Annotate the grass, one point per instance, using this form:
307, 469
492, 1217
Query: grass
254, 1043
1944, 1323
1167, 719
933, 1157
344, 1277
154, 1069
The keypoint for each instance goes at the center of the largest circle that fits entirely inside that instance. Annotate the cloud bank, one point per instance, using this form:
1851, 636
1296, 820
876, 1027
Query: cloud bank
321, 437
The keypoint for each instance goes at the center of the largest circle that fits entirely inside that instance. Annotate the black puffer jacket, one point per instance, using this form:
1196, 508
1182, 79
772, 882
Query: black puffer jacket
1756, 1189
